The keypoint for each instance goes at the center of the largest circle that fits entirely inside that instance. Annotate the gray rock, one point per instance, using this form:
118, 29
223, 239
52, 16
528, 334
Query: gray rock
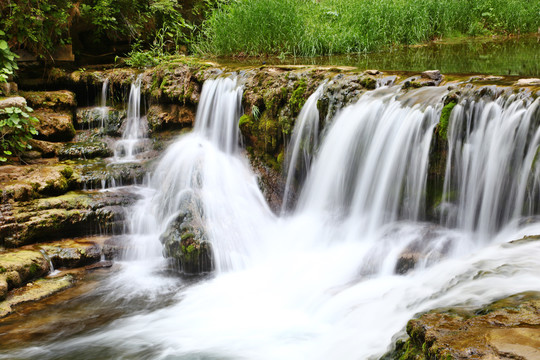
14, 101
185, 238
432, 74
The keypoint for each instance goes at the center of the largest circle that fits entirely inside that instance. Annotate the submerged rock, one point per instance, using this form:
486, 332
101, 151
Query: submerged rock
185, 238
506, 329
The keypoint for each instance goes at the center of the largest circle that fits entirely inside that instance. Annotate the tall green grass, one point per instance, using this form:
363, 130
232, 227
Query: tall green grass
310, 27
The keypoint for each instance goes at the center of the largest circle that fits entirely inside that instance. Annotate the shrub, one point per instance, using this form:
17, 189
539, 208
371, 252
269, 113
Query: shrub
16, 128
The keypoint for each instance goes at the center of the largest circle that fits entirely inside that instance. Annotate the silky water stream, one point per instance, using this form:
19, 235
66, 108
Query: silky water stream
320, 281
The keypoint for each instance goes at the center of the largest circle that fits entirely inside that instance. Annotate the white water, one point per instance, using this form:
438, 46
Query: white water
492, 163
318, 283
134, 134
103, 102
303, 145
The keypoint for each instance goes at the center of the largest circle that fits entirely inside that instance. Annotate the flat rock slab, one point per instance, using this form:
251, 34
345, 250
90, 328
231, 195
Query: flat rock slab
506, 329
13, 101
35, 291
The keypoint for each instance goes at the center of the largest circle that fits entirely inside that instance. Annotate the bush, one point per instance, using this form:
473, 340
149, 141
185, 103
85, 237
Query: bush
8, 65
16, 128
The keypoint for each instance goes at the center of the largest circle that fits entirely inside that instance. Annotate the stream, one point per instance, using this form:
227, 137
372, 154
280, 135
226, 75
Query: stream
319, 280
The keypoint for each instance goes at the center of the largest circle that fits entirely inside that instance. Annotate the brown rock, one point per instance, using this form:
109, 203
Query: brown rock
53, 126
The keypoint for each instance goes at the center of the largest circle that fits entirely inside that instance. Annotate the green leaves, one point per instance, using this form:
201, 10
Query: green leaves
16, 128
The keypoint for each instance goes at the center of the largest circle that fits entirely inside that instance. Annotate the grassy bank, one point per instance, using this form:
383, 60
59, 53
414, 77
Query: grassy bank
310, 27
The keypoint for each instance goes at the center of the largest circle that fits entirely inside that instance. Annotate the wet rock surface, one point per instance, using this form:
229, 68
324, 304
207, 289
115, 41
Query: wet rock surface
74, 213
185, 239
35, 291
506, 329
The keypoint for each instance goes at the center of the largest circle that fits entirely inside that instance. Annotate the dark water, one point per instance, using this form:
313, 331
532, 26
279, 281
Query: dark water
517, 56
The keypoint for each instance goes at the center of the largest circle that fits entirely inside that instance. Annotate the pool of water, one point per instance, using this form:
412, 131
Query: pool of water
514, 56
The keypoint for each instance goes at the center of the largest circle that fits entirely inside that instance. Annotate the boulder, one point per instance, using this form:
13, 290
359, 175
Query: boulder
432, 75
85, 150
54, 126
46, 149
185, 238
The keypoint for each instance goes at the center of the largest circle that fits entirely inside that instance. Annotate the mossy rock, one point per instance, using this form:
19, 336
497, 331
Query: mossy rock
508, 328
55, 100
108, 120
185, 239
20, 267
54, 126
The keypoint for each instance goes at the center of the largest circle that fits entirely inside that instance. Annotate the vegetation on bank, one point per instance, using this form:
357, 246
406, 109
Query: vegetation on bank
41, 26
324, 27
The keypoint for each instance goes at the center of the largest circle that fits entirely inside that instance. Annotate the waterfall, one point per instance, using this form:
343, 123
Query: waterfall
492, 174
324, 281
206, 163
135, 130
103, 102
302, 147
372, 165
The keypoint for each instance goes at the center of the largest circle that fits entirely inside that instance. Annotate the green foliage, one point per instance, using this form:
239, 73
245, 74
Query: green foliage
8, 65
16, 128
309, 27
36, 25
40, 26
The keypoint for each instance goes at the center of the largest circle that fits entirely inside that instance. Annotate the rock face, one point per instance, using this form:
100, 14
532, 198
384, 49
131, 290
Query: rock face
185, 238
108, 120
54, 110
506, 329
163, 117
74, 213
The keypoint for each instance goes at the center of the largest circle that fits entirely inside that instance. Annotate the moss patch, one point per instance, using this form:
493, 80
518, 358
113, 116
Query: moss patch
442, 128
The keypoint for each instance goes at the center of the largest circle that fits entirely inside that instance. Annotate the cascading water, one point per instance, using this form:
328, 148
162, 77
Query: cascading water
206, 164
304, 143
103, 102
492, 168
135, 130
320, 283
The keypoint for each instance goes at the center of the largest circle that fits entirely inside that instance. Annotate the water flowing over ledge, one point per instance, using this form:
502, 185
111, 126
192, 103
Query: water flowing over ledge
328, 278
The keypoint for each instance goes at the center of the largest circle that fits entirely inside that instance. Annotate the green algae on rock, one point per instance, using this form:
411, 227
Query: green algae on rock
508, 328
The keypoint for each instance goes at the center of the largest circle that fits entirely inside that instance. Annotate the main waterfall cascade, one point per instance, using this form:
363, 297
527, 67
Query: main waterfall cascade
320, 282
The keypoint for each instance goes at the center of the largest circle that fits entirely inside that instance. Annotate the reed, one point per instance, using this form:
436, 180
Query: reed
325, 27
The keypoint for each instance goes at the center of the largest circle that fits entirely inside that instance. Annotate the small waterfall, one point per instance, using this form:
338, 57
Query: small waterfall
103, 102
492, 172
206, 163
373, 163
135, 131
304, 143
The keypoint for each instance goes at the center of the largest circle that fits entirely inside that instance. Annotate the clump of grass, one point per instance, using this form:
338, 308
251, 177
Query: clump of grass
310, 27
